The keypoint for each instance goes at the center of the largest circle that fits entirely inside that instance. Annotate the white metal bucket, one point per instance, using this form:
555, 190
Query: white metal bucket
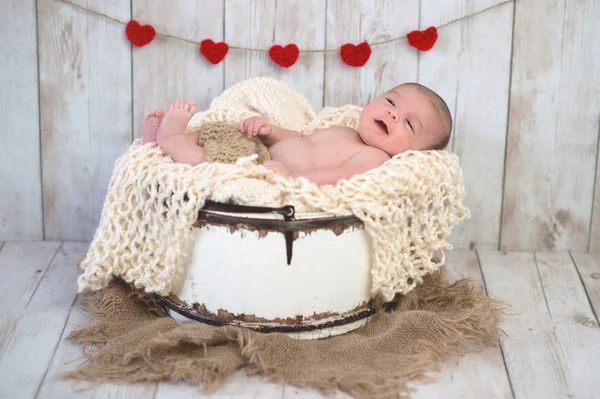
268, 269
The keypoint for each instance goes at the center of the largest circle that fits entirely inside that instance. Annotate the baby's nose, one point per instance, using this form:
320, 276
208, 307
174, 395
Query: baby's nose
393, 114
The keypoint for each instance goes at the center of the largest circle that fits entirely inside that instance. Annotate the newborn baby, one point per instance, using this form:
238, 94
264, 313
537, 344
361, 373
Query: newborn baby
408, 117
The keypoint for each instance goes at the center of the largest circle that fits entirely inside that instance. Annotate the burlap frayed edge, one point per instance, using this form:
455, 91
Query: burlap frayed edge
158, 358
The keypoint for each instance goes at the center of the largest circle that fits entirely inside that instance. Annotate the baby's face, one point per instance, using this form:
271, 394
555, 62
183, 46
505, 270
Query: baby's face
400, 120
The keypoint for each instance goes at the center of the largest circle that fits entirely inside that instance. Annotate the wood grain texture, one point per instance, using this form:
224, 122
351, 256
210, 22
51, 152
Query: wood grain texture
238, 385
290, 392
552, 341
39, 326
24, 265
588, 265
475, 375
22, 270
21, 188
168, 70
261, 24
595, 225
389, 65
66, 358
470, 68
85, 92
553, 126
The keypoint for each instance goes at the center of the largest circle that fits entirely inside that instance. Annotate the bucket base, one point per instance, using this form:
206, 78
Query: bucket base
318, 333
312, 329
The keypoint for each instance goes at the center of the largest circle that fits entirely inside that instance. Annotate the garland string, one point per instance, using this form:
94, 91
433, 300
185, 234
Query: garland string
174, 37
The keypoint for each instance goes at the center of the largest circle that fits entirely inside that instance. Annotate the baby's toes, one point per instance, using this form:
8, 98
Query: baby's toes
193, 107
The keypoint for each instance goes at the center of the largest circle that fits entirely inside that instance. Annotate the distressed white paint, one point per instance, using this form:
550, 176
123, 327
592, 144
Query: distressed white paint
20, 180
553, 126
389, 65
469, 67
589, 270
88, 71
552, 341
243, 273
261, 24
595, 225
23, 265
238, 385
39, 326
85, 91
168, 70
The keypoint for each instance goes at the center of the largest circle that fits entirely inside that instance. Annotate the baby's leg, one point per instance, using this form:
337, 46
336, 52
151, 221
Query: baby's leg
172, 138
151, 122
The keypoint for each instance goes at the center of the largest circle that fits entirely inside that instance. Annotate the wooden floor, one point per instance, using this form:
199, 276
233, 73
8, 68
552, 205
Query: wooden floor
551, 348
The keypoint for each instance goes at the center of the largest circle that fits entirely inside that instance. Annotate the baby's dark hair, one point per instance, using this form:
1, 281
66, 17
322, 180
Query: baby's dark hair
442, 111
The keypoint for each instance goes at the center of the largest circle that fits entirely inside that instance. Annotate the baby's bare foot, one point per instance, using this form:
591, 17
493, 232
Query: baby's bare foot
151, 123
175, 120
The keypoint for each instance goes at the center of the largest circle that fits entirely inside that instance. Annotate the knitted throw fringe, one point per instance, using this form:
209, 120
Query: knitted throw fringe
131, 339
409, 205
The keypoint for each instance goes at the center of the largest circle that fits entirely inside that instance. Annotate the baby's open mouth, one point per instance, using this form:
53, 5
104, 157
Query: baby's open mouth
382, 126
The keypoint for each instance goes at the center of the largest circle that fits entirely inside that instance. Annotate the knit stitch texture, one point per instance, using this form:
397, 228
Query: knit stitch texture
409, 205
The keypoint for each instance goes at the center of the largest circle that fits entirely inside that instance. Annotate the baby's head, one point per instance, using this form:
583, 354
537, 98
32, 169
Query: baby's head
408, 117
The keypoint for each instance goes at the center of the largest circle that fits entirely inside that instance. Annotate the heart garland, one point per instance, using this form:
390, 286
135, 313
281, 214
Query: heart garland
423, 39
284, 56
355, 56
214, 52
352, 55
139, 35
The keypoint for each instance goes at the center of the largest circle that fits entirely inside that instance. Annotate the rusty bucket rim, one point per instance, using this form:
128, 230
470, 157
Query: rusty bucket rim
207, 214
267, 327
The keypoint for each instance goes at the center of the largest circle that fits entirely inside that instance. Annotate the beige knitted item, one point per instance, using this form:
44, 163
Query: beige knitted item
409, 205
224, 143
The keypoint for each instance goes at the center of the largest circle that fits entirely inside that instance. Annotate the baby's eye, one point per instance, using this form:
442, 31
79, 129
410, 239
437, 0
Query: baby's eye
410, 125
390, 101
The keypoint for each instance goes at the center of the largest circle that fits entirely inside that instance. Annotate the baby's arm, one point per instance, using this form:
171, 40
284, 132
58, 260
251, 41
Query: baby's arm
268, 133
359, 163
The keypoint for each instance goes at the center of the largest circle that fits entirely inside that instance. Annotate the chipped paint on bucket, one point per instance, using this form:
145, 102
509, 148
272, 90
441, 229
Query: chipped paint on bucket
245, 272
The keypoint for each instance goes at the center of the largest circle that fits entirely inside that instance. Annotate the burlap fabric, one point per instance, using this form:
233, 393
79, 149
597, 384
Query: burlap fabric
138, 342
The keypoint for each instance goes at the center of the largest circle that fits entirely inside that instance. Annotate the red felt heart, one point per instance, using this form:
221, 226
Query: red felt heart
284, 56
214, 52
355, 56
423, 40
139, 35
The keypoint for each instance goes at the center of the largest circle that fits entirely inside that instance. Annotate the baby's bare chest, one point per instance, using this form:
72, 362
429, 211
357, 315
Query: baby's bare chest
335, 141
325, 148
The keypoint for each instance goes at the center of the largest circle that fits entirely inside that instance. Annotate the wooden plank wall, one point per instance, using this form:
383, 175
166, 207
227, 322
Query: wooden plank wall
20, 189
169, 70
471, 70
263, 23
520, 80
553, 126
85, 107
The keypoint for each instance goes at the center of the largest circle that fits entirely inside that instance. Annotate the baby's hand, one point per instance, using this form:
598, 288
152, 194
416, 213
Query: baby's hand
256, 126
277, 167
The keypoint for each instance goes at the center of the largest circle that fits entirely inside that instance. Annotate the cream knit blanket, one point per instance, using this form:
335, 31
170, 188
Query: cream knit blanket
409, 205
